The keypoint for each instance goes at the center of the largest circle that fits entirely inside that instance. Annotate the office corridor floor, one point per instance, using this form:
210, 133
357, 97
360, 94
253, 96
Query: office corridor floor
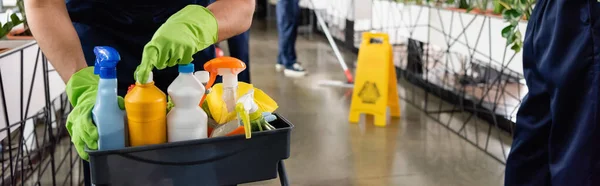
327, 150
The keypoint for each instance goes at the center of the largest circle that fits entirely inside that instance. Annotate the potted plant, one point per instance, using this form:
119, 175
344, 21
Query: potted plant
21, 33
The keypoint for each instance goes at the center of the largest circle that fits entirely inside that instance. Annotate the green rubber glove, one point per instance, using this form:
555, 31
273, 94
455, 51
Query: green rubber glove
170, 104
81, 91
186, 32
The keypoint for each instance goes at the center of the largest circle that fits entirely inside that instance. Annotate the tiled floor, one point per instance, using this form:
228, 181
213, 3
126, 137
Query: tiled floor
327, 150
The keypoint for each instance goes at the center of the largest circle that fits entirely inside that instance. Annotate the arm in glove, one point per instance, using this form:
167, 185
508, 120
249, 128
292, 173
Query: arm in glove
186, 32
81, 91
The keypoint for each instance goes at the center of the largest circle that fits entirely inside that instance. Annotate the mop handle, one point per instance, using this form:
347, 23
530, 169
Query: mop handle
333, 45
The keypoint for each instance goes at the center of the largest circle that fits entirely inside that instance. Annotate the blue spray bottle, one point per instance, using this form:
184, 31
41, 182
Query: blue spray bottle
107, 115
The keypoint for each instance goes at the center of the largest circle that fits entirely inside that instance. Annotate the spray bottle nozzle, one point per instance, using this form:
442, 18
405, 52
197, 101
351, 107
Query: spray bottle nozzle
228, 67
106, 56
213, 66
106, 61
244, 106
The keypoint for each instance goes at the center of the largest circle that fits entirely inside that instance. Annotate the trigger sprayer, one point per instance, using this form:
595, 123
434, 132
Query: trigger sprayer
228, 68
245, 108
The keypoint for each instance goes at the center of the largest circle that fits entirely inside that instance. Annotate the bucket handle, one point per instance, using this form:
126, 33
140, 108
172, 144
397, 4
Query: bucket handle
132, 157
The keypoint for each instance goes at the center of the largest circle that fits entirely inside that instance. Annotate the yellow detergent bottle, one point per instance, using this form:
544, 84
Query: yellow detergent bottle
146, 108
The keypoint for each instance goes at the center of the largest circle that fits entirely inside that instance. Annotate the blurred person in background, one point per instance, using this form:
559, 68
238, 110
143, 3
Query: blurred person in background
239, 48
287, 25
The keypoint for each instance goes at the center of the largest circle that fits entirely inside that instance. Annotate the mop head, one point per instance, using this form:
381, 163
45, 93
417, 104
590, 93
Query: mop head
336, 83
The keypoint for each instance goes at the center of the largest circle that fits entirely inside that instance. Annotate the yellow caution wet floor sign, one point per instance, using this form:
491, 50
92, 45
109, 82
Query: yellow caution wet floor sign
375, 85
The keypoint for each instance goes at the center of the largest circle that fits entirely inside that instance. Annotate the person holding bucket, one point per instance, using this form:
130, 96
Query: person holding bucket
150, 35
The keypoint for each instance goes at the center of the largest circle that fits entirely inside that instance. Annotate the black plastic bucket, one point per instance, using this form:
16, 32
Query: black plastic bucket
213, 161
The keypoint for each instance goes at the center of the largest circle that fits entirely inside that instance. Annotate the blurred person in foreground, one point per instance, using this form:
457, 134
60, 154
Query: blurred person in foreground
558, 124
239, 47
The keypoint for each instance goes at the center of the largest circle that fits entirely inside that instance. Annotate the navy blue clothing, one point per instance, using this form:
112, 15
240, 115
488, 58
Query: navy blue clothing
239, 48
287, 12
556, 140
127, 26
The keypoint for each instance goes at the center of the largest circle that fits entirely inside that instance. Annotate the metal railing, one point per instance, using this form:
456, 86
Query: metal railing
465, 77
35, 149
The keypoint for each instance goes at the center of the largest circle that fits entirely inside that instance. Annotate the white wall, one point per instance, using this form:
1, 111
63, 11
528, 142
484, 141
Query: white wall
481, 38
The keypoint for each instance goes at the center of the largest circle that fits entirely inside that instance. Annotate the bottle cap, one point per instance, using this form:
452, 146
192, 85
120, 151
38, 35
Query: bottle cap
106, 62
187, 68
149, 79
202, 76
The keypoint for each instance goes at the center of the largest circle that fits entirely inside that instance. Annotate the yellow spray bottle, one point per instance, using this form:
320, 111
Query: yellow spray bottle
146, 108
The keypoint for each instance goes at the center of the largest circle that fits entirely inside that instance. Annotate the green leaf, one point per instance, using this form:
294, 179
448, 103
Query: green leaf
15, 19
511, 39
514, 22
518, 35
8, 26
511, 14
463, 4
2, 33
516, 47
505, 5
528, 13
507, 31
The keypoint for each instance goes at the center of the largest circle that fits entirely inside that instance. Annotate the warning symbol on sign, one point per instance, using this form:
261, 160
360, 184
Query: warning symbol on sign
369, 93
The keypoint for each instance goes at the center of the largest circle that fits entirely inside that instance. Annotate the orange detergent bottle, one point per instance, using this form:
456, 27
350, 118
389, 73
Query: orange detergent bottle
146, 108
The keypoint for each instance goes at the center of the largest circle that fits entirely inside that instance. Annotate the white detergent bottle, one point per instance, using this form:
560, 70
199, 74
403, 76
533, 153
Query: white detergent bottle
186, 121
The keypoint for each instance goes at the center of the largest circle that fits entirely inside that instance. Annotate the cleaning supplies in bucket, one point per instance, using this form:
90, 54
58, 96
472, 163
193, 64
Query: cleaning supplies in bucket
107, 115
244, 106
215, 106
186, 120
192, 105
